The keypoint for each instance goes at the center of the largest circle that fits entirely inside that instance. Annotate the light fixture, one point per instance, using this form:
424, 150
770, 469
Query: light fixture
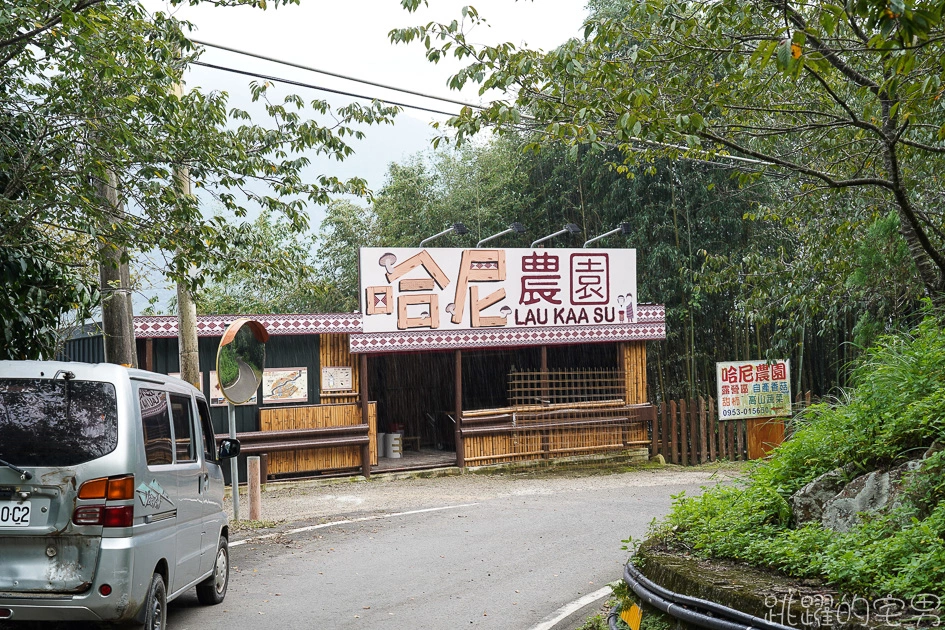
623, 228
515, 226
571, 228
458, 228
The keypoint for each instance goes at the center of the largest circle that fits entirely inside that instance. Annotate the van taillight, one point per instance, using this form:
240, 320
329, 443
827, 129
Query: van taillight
88, 515
119, 516
107, 516
116, 488
121, 487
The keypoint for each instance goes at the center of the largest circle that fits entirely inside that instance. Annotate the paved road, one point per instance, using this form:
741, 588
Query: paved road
507, 558
501, 552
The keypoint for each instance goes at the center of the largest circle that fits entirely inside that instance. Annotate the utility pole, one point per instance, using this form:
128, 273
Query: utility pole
115, 279
186, 307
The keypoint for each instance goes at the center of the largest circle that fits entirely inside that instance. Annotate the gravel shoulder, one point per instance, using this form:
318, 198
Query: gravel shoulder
293, 504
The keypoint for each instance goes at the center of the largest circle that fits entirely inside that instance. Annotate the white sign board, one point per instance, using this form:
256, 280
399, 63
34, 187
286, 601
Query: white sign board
753, 389
285, 385
336, 379
412, 289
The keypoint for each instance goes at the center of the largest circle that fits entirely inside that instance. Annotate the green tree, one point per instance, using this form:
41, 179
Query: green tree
86, 90
843, 99
270, 269
345, 229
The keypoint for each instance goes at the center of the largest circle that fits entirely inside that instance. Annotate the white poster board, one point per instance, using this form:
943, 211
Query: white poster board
753, 389
336, 378
413, 289
285, 385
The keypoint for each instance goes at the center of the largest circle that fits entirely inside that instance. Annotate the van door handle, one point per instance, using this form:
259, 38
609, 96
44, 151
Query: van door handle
204, 482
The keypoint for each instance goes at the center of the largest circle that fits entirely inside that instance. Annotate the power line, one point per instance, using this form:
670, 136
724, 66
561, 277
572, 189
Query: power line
734, 158
267, 77
337, 75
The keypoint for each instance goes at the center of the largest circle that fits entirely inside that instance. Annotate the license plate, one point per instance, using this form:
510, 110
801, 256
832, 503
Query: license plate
14, 513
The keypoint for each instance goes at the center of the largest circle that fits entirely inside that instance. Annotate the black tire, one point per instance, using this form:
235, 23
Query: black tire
211, 591
155, 606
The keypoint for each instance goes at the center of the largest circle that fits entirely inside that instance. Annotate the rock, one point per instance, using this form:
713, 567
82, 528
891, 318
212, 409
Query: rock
807, 504
935, 448
870, 494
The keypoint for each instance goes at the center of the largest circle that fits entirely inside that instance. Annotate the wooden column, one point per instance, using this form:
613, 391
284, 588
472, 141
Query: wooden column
544, 372
458, 393
365, 417
149, 356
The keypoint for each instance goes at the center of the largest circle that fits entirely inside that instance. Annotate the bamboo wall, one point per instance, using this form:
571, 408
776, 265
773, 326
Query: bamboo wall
631, 360
334, 351
316, 417
603, 427
482, 450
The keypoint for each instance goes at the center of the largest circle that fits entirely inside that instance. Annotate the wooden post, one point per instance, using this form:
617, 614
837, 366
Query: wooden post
684, 433
252, 480
458, 393
713, 430
264, 469
365, 416
544, 372
673, 431
703, 433
764, 434
654, 436
664, 447
149, 355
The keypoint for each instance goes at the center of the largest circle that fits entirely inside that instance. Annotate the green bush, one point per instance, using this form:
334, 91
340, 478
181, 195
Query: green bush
894, 412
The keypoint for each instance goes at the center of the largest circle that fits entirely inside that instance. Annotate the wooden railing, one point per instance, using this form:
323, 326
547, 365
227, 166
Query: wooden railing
542, 432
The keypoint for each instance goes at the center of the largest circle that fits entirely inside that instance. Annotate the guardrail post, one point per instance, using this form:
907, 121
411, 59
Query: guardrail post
253, 481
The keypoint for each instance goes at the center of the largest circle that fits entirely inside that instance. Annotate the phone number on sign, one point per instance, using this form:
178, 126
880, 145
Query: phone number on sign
747, 411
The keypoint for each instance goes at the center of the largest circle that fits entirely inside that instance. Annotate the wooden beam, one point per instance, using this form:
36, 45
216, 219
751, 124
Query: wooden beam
458, 393
365, 419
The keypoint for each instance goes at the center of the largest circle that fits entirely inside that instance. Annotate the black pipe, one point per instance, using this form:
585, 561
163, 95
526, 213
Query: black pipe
726, 619
712, 607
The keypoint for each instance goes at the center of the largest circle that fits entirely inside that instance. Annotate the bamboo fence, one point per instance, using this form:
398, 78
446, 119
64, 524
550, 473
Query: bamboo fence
317, 417
688, 432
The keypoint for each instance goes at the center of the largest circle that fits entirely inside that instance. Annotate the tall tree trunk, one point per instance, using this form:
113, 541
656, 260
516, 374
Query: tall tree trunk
186, 307
117, 315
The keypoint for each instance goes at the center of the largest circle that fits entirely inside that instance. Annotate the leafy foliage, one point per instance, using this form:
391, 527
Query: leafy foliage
270, 270
88, 92
895, 412
839, 98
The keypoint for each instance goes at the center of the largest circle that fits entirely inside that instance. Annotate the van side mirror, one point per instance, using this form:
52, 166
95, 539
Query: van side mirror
229, 447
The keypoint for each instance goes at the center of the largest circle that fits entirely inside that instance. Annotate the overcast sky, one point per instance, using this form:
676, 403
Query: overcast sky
350, 37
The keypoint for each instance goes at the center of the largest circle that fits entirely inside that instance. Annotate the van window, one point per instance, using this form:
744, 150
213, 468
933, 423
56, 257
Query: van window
45, 422
209, 440
156, 424
182, 412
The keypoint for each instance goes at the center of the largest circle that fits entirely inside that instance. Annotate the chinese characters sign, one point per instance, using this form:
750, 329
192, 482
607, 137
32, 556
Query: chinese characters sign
404, 289
754, 389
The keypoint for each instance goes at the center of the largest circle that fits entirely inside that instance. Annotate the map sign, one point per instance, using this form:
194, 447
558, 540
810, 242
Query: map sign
754, 389
285, 385
413, 289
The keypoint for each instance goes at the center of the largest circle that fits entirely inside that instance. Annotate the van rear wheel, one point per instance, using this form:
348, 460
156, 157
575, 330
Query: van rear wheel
212, 590
155, 606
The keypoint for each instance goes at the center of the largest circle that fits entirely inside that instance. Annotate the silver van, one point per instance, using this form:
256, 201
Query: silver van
111, 494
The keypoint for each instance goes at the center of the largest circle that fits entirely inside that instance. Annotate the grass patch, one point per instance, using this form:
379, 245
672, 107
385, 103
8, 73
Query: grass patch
894, 412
